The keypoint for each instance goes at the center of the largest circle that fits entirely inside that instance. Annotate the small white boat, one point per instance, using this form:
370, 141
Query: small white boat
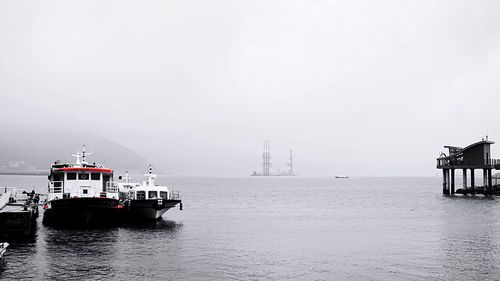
341, 177
3, 248
148, 201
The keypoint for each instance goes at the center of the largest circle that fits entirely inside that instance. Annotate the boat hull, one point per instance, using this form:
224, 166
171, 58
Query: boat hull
149, 209
83, 211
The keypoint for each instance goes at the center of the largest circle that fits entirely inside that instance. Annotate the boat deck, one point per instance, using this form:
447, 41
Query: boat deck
13, 208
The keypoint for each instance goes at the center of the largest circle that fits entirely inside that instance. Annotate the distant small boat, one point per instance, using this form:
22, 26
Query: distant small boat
341, 177
3, 248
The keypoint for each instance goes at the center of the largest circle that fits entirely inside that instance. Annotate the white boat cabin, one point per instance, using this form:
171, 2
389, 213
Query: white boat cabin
148, 190
80, 180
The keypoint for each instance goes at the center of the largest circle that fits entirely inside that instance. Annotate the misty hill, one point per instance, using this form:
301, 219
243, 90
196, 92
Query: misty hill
22, 150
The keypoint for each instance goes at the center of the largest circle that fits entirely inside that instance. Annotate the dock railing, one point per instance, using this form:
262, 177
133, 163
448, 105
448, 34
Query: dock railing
458, 162
10, 195
494, 162
4, 197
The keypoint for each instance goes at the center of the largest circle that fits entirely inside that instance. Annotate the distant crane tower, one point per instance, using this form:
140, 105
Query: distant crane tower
266, 159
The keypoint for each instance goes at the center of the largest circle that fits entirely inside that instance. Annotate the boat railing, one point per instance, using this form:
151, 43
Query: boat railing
112, 187
55, 187
174, 195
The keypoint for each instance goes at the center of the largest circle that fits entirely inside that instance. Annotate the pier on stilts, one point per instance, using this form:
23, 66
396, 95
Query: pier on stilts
471, 159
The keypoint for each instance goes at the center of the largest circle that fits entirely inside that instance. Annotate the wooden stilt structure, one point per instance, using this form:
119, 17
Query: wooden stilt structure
473, 157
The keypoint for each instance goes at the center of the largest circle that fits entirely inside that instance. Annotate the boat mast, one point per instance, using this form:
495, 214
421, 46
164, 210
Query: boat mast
84, 155
126, 177
80, 157
151, 177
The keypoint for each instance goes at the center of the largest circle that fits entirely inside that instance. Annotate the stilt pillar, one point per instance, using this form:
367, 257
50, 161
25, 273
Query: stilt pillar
465, 179
472, 182
445, 181
490, 183
452, 187
484, 178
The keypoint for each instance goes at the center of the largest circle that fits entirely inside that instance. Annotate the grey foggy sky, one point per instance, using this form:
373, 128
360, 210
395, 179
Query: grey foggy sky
354, 87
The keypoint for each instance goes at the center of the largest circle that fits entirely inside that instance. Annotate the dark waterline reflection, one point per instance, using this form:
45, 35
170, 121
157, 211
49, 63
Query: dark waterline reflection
97, 252
71, 252
161, 225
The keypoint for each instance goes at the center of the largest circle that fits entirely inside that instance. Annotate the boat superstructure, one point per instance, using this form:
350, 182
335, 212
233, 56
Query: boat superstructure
125, 186
81, 192
150, 201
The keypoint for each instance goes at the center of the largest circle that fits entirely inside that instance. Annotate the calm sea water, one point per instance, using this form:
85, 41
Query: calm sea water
295, 228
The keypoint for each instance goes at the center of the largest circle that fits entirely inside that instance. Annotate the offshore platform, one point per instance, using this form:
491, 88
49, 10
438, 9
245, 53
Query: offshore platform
267, 166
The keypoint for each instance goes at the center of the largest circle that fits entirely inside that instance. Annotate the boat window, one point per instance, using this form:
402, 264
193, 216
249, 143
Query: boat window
71, 176
83, 176
164, 194
85, 191
57, 177
95, 176
141, 195
152, 194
